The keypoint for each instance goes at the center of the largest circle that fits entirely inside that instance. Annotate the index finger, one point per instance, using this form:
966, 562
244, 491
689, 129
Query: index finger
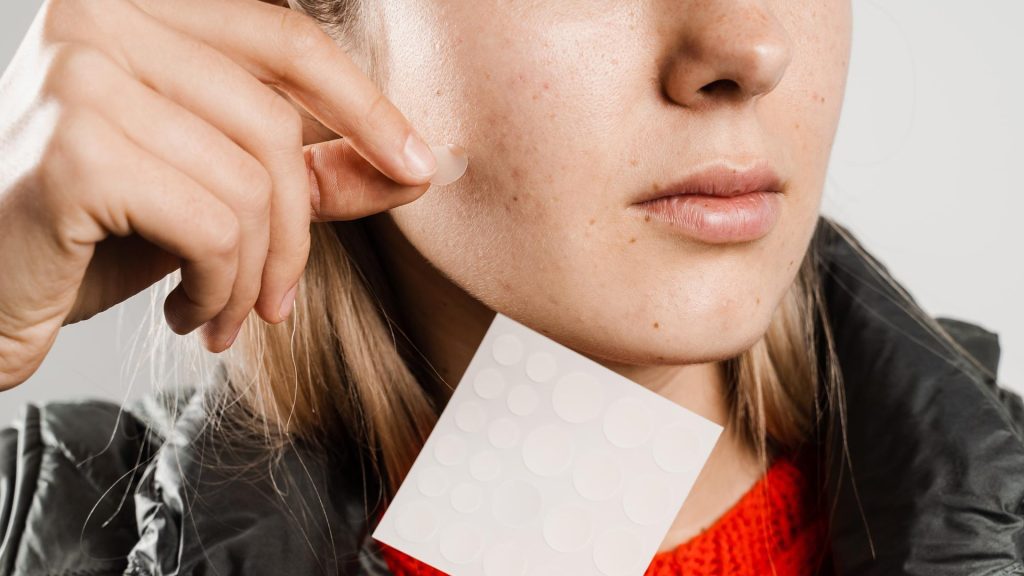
288, 49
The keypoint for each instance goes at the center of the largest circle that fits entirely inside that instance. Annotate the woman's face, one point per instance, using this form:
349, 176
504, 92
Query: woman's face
568, 110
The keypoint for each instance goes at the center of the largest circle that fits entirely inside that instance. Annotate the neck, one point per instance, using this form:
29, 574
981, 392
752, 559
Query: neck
447, 324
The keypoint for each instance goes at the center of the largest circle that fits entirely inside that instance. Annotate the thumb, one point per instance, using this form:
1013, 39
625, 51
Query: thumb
344, 186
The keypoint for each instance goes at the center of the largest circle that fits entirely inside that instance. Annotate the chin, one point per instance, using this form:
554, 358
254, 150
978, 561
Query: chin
689, 340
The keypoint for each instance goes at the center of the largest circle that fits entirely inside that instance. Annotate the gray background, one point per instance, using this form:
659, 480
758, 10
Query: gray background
923, 171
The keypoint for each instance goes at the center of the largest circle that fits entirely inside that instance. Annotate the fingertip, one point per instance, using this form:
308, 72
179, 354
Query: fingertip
419, 158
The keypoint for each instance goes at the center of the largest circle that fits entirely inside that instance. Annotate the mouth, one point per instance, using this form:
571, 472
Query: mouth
720, 204
721, 180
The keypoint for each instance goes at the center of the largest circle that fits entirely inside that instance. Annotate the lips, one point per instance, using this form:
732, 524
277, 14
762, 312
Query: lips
718, 205
721, 180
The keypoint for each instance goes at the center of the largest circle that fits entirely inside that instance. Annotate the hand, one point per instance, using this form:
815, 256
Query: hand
140, 136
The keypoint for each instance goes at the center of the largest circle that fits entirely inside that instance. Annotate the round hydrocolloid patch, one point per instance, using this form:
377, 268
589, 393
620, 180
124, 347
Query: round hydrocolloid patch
646, 499
432, 481
616, 552
450, 450
460, 542
489, 383
547, 450
505, 559
522, 400
416, 522
541, 366
508, 349
515, 502
596, 475
627, 423
577, 397
503, 433
567, 528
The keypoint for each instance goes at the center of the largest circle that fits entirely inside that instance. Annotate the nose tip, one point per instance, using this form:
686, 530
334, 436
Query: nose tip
736, 55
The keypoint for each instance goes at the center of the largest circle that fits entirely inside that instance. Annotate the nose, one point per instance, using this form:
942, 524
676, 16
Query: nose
731, 50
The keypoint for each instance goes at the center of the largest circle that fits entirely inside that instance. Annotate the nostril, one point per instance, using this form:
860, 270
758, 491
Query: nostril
719, 85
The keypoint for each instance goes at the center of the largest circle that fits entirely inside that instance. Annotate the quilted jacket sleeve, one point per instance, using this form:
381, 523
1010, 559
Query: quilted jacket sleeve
67, 472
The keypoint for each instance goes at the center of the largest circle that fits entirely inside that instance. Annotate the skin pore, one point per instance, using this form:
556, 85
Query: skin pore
568, 111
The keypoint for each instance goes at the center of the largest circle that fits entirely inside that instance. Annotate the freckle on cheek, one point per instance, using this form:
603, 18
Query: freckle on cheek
631, 240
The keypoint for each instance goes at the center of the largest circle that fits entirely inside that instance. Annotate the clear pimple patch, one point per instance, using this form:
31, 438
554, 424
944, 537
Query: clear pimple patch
452, 162
544, 462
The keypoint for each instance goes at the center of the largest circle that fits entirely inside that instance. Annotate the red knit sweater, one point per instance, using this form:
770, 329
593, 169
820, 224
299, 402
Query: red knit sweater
775, 528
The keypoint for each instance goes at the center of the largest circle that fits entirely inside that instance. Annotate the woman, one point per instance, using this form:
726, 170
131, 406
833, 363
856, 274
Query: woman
142, 136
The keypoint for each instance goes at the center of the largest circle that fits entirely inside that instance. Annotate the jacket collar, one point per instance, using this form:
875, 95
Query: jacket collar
933, 483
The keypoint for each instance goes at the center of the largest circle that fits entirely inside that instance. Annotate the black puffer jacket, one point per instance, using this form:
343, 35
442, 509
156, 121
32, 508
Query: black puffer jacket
935, 448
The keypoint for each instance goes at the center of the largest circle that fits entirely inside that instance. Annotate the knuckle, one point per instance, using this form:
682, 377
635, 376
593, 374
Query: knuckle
255, 189
58, 17
75, 72
76, 151
376, 112
224, 238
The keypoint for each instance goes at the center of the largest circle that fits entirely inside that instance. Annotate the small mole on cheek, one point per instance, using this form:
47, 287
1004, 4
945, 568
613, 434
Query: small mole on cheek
758, 300
438, 92
515, 198
647, 218
631, 240
633, 161
656, 325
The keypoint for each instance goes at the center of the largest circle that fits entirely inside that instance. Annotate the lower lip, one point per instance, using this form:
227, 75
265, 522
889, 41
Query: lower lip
717, 219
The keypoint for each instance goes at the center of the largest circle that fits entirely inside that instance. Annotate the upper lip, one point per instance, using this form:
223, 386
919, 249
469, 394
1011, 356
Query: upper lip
721, 179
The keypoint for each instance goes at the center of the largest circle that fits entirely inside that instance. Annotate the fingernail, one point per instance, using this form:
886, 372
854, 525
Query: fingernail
288, 302
418, 157
233, 336
452, 161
